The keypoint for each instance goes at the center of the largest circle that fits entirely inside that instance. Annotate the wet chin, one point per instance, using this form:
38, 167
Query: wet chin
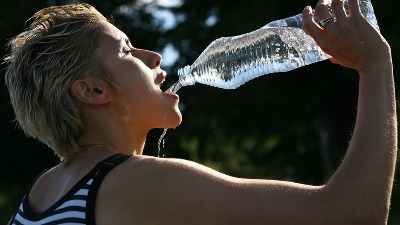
176, 119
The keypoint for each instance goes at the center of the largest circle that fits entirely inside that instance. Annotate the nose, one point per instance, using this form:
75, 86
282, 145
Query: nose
150, 58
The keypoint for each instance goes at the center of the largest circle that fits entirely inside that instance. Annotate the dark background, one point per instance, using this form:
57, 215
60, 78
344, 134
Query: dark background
289, 126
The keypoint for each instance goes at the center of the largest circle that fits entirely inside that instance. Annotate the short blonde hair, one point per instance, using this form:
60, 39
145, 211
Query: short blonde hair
44, 60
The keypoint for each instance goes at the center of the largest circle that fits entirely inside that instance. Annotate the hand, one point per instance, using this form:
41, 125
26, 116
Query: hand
349, 39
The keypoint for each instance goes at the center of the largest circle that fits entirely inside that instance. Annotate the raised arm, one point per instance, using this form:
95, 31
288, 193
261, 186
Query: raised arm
365, 178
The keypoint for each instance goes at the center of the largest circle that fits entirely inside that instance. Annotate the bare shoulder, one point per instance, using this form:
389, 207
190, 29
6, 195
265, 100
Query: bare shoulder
156, 176
148, 190
160, 170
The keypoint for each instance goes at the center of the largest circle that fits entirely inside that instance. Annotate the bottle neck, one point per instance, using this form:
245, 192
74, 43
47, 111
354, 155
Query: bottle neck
186, 77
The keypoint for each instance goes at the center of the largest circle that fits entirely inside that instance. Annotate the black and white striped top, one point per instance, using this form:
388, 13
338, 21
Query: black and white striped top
76, 206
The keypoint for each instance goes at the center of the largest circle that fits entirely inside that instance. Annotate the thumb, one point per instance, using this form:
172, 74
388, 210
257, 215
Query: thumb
333, 60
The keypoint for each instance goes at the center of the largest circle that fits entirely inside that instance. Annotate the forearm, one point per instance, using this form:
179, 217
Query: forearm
364, 180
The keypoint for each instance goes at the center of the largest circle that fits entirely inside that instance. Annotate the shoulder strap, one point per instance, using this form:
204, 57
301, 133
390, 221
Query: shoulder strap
25, 196
114, 160
105, 167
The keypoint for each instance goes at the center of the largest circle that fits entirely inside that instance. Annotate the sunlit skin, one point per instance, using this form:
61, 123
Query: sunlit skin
148, 190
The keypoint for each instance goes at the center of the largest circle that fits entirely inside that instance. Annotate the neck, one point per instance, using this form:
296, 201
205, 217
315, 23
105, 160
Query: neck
106, 126
126, 142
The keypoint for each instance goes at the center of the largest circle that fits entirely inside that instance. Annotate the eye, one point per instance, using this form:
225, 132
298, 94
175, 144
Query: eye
127, 51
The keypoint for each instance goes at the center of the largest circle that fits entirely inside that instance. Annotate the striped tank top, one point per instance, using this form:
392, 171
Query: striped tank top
77, 206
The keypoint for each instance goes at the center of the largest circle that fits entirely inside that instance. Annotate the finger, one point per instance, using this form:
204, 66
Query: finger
333, 60
338, 10
323, 11
309, 23
354, 8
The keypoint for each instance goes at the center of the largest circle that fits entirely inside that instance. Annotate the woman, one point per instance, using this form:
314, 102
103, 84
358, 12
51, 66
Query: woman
94, 108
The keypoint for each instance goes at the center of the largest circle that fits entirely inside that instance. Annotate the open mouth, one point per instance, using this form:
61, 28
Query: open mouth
167, 86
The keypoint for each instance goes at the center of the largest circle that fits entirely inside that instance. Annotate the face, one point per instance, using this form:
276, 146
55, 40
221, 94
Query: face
138, 100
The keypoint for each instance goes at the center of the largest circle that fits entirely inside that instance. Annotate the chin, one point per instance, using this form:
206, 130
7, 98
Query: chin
171, 119
176, 121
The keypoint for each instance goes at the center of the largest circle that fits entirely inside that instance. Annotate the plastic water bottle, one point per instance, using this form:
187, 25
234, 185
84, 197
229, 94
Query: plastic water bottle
279, 46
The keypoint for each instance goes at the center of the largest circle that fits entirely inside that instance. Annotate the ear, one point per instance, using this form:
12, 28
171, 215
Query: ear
89, 91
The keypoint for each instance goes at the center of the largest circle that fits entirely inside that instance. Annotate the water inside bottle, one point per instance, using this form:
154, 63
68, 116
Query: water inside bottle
231, 61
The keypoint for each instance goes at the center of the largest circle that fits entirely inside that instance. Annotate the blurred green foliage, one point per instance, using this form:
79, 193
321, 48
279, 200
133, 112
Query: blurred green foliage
290, 126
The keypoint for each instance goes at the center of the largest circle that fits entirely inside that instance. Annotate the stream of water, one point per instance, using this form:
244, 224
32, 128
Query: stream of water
174, 88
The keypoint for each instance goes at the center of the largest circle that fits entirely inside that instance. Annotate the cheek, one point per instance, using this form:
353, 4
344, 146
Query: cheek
130, 81
140, 93
131, 73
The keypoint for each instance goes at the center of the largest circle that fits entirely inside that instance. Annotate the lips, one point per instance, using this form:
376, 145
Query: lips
172, 94
160, 78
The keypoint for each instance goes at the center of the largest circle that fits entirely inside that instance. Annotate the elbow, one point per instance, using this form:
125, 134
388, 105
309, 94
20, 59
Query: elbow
374, 215
368, 217
363, 215
352, 210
